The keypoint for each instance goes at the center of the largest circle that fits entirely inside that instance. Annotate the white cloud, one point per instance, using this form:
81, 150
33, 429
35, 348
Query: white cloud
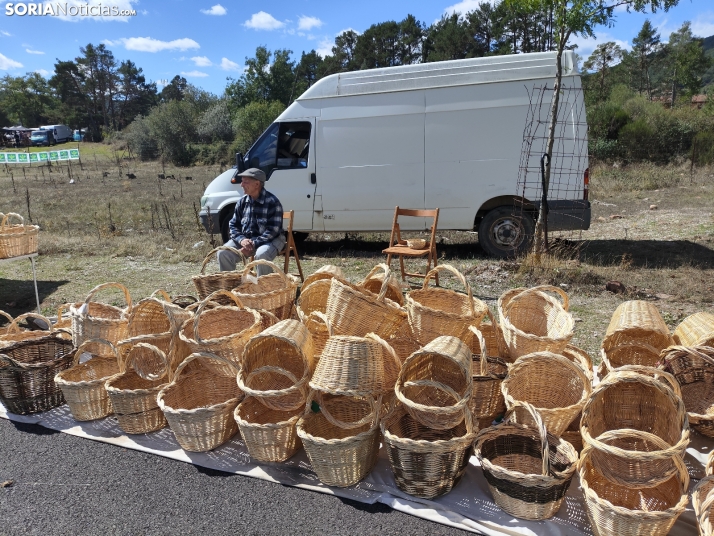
263, 21
6, 34
194, 74
43, 72
30, 51
218, 10
348, 30
463, 7
324, 47
228, 65
308, 23
92, 6
144, 12
149, 44
586, 46
201, 61
6, 63
704, 25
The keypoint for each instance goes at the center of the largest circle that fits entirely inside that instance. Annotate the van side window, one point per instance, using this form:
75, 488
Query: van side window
293, 145
263, 154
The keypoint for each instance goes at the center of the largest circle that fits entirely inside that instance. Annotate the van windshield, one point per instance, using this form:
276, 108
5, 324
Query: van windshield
39, 134
263, 153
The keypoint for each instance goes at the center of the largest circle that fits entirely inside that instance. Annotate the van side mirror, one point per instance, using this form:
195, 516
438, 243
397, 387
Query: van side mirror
240, 165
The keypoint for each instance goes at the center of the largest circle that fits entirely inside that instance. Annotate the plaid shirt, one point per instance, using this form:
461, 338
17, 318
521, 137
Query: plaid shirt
261, 220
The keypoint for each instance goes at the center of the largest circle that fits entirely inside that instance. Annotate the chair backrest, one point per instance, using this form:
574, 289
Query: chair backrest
417, 213
289, 216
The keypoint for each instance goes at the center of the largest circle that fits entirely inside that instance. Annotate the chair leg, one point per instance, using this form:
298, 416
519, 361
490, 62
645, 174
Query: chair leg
297, 260
401, 265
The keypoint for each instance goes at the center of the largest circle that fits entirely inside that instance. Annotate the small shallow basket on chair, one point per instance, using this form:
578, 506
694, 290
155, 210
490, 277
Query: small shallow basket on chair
693, 367
703, 501
94, 320
133, 391
487, 402
199, 402
534, 321
269, 434
636, 426
633, 353
207, 284
637, 321
354, 311
618, 510
426, 463
276, 366
435, 383
273, 292
438, 311
695, 330
528, 469
554, 385
27, 373
83, 384
342, 438
374, 281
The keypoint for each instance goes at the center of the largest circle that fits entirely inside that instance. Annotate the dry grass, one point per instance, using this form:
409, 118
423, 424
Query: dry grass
143, 232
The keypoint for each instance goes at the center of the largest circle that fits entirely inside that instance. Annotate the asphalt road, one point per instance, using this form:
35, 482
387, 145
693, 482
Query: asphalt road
69, 485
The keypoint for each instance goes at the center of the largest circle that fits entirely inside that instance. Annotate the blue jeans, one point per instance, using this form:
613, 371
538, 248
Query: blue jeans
227, 259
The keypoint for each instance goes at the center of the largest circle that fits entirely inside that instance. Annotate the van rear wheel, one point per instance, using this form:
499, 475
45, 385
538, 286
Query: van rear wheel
506, 232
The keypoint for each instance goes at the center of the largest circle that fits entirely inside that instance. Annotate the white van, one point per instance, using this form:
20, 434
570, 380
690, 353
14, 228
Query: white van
61, 133
445, 134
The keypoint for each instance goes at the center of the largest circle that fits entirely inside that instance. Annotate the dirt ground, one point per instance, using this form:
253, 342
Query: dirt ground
113, 218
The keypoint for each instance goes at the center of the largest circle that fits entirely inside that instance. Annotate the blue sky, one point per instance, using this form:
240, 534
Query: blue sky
206, 41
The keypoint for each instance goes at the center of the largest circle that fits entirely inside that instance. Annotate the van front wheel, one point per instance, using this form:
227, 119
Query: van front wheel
506, 232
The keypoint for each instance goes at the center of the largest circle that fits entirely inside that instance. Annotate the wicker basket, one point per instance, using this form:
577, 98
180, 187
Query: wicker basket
487, 402
554, 385
534, 321
64, 322
152, 315
133, 391
635, 353
15, 334
374, 282
572, 434
434, 312
325, 272
207, 284
617, 510
703, 501
4, 329
354, 311
269, 434
199, 402
314, 296
528, 470
357, 366
645, 425
403, 342
220, 329
27, 372
493, 335
426, 463
695, 330
17, 239
710, 464
637, 321
276, 366
342, 439
435, 383
93, 320
693, 367
274, 292
579, 357
83, 384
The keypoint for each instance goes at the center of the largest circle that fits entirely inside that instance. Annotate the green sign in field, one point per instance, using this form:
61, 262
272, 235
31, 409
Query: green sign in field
31, 158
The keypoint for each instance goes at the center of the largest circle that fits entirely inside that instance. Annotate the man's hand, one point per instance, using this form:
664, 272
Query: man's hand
247, 248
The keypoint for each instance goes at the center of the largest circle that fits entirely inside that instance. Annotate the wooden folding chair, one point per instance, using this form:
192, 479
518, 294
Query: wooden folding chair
290, 244
400, 248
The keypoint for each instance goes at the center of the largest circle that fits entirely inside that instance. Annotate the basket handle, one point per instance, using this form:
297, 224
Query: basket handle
483, 362
6, 220
206, 303
371, 417
62, 308
322, 316
703, 518
436, 385
654, 372
388, 349
203, 355
14, 325
540, 426
542, 288
130, 361
242, 383
162, 293
224, 292
103, 342
497, 332
6, 315
459, 276
216, 250
275, 267
693, 350
385, 282
127, 296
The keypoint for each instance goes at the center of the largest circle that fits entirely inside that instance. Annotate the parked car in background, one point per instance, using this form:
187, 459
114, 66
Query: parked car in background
61, 133
78, 135
43, 138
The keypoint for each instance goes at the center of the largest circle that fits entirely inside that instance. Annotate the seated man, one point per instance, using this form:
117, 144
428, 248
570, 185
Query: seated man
257, 224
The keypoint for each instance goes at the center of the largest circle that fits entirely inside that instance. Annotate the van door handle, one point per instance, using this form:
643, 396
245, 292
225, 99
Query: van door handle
313, 178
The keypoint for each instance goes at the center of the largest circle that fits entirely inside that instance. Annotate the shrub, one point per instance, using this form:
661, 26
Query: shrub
139, 139
251, 121
635, 139
215, 124
703, 148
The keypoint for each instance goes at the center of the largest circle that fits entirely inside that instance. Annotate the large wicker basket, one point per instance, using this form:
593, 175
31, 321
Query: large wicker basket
15, 334
528, 470
17, 238
356, 312
554, 385
636, 426
534, 321
487, 402
313, 299
326, 272
579, 357
435, 383
637, 321
633, 353
375, 280
153, 315
146, 370
277, 364
426, 463
434, 312
27, 372
342, 438
207, 284
695, 330
199, 402
273, 292
269, 434
83, 384
693, 367
619, 510
94, 320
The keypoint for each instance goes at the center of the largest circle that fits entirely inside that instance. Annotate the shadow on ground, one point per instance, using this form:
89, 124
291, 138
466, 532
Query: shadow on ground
647, 253
18, 296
